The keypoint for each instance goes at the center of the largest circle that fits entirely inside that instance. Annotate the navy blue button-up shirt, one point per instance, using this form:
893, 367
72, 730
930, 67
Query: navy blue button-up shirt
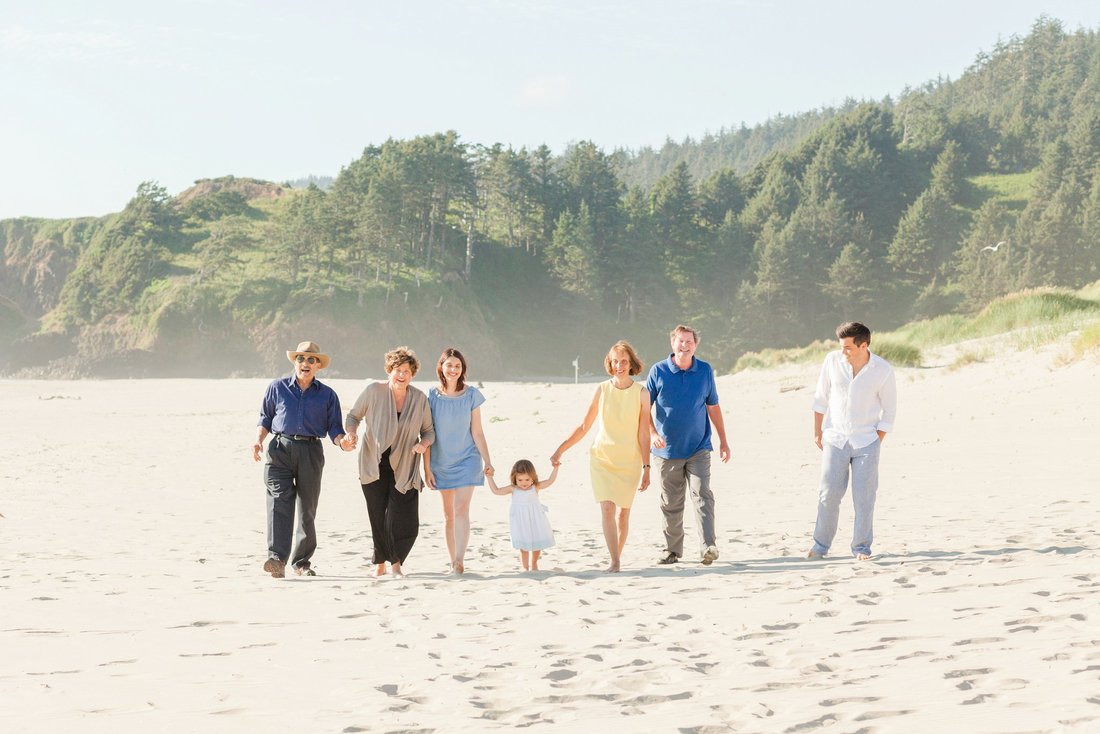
287, 409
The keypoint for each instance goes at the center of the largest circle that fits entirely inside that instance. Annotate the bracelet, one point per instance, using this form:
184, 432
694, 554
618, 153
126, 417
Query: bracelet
645, 466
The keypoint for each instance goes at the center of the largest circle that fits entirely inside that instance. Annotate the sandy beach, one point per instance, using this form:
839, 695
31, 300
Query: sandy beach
132, 598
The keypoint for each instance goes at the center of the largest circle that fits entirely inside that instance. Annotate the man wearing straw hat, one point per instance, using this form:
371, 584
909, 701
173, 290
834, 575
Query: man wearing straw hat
299, 411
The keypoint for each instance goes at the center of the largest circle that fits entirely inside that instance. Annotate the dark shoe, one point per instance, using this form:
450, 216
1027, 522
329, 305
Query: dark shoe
305, 571
275, 567
670, 558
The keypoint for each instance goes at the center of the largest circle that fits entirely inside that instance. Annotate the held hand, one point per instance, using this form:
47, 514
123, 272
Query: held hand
724, 452
658, 442
419, 448
257, 449
817, 441
489, 470
347, 443
555, 459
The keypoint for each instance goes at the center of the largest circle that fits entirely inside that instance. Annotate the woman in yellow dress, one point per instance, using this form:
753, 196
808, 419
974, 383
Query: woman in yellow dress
620, 454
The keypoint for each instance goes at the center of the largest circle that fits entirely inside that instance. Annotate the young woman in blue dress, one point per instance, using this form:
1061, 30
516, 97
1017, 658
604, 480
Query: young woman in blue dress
458, 461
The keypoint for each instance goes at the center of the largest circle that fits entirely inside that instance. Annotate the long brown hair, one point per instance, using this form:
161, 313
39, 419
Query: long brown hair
447, 354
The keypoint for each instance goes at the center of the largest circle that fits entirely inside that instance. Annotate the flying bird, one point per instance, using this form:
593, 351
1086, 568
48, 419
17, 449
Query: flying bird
994, 248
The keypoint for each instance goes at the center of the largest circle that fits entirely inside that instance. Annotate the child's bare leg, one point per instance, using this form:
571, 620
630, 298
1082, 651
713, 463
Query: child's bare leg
523, 559
535, 560
610, 534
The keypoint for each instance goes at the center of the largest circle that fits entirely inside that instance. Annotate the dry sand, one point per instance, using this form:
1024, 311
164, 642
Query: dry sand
132, 599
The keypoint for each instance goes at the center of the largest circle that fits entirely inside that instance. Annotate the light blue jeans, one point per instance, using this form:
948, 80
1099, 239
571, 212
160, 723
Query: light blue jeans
834, 483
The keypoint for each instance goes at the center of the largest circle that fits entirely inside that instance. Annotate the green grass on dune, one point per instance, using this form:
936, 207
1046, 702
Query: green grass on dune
1036, 317
1054, 312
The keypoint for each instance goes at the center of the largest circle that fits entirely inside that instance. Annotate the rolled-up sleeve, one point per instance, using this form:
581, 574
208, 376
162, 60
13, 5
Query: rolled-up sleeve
427, 428
888, 397
267, 408
821, 393
356, 414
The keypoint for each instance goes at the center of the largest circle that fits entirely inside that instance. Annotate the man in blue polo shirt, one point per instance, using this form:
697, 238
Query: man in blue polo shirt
299, 411
685, 403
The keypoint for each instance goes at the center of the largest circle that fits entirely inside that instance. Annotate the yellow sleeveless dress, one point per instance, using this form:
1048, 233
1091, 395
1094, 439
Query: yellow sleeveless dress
615, 459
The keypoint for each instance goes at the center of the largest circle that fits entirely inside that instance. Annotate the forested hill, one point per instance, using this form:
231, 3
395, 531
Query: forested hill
737, 149
885, 212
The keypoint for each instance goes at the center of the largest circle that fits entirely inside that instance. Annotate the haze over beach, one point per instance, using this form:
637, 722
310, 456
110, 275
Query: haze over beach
191, 190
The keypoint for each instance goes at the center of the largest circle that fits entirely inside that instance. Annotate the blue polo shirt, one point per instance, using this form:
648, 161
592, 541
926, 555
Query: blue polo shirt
680, 399
314, 412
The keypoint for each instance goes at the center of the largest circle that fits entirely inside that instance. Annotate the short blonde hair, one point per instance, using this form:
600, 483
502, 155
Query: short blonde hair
695, 334
399, 356
636, 364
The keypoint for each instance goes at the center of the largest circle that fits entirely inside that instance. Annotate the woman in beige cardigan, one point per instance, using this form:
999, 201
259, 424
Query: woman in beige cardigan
398, 431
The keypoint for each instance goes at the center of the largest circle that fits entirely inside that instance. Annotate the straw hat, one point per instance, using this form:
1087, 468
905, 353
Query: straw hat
309, 348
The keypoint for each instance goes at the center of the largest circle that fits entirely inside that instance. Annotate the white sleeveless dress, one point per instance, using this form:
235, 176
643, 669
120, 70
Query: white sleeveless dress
528, 521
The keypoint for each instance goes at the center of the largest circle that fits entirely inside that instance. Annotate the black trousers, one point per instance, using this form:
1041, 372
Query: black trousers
292, 473
394, 517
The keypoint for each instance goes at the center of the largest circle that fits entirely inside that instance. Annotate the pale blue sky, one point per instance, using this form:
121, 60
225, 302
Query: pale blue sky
96, 97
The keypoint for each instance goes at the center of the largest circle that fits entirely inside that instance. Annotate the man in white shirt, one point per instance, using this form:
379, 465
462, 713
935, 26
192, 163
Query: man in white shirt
854, 408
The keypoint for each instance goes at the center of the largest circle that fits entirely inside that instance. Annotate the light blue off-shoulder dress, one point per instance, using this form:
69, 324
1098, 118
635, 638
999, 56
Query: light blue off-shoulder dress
456, 462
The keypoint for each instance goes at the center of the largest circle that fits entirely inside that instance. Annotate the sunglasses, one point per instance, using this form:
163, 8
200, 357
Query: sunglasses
302, 358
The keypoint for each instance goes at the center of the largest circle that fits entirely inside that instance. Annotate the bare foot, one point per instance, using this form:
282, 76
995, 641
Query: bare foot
814, 554
613, 568
458, 567
396, 569
525, 568
534, 566
863, 556
380, 570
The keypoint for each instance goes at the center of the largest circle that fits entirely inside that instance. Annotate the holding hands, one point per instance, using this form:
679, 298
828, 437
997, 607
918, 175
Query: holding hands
349, 441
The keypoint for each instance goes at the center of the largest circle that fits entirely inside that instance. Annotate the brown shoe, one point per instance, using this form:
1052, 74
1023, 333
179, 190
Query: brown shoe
275, 567
305, 570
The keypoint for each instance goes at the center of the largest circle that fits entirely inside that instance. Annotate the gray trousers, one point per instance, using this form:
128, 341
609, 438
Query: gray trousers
678, 477
835, 465
292, 473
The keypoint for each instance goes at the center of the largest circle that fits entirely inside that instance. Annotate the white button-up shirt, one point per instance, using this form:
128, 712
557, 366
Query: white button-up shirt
856, 408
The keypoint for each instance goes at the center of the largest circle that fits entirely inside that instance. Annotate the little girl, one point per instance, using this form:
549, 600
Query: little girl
530, 527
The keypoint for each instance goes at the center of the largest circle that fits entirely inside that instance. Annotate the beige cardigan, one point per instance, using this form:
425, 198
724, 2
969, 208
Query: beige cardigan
384, 430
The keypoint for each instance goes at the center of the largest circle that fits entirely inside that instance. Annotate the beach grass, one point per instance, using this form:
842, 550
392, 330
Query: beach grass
1088, 341
1033, 318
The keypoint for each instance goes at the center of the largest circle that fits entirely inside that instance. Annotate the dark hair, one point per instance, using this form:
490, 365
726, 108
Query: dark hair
399, 356
860, 334
447, 354
523, 466
624, 346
